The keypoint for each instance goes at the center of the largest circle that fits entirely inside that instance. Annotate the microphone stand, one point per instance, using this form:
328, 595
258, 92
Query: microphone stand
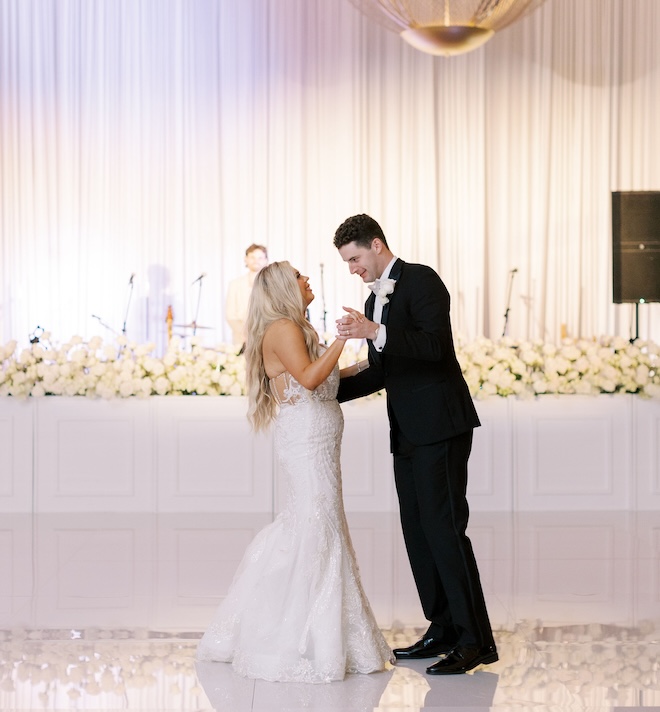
325, 313
512, 274
200, 279
103, 324
128, 303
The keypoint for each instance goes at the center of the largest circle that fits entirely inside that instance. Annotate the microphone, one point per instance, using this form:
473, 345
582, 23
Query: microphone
200, 278
514, 270
130, 281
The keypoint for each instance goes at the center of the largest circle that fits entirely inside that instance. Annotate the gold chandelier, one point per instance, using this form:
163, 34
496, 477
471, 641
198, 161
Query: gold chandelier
446, 27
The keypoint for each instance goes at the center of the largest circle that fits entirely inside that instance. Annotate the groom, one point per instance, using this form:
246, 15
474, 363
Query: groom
431, 413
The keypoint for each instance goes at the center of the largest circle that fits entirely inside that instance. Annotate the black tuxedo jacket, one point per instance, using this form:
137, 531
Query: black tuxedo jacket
427, 396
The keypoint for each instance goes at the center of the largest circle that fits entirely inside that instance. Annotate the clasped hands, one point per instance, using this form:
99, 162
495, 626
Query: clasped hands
354, 325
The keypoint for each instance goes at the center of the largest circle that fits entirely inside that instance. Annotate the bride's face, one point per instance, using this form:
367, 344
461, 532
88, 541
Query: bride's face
305, 289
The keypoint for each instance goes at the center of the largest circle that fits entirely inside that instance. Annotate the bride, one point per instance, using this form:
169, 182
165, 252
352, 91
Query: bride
296, 610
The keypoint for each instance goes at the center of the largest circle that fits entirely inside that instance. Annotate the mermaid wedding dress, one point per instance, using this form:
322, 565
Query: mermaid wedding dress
296, 610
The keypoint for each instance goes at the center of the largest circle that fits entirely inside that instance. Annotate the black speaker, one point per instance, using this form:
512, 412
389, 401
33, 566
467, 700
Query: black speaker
636, 246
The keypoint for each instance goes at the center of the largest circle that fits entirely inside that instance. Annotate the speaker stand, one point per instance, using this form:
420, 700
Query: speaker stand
632, 341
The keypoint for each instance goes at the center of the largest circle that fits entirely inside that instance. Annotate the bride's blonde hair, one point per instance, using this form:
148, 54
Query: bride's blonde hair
275, 295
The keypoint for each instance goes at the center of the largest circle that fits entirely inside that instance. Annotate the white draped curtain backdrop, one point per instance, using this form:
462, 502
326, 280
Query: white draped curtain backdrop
161, 137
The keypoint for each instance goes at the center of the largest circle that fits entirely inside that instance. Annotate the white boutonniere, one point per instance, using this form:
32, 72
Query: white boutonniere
382, 287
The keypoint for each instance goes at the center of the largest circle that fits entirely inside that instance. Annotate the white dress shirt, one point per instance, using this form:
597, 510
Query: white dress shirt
381, 339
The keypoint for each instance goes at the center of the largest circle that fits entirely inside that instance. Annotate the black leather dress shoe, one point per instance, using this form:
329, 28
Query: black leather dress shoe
461, 659
424, 648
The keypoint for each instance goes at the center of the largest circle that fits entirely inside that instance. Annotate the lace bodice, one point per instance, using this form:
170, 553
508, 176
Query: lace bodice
287, 391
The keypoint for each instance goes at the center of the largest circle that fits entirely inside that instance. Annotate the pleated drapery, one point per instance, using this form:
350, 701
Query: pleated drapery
159, 138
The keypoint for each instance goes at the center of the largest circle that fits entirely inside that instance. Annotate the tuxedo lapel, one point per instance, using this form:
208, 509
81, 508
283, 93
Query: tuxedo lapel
369, 313
369, 306
395, 274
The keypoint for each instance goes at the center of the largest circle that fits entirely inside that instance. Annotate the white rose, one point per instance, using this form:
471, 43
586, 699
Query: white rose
26, 356
50, 374
642, 375
98, 370
226, 382
540, 386
625, 361
8, 349
38, 390
158, 368
106, 391
609, 372
582, 364
583, 387
235, 390
169, 359
652, 390
126, 388
162, 385
489, 389
144, 387
69, 388
177, 374
607, 385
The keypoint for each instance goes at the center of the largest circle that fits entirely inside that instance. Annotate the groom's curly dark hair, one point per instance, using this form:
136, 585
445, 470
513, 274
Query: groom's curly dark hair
360, 229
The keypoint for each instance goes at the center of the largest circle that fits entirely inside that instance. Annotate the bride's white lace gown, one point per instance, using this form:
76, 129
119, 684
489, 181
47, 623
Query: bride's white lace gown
296, 610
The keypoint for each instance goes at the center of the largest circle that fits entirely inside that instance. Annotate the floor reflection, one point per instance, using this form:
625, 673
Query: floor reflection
101, 612
583, 666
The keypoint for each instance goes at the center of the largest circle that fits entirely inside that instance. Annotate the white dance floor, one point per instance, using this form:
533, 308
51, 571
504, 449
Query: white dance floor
103, 612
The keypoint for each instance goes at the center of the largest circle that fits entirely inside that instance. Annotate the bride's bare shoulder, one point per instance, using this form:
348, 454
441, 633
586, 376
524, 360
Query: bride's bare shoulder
282, 339
282, 328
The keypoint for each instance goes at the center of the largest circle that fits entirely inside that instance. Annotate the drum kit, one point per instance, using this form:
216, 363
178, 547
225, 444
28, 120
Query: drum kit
186, 330
193, 324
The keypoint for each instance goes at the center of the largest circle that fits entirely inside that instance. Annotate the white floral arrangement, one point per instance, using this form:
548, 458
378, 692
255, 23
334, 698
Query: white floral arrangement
575, 366
100, 370
524, 369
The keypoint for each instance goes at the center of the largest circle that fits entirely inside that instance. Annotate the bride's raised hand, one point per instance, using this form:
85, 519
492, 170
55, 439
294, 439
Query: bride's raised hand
343, 327
355, 314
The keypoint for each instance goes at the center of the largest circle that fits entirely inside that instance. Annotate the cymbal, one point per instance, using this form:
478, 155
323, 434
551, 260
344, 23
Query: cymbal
190, 326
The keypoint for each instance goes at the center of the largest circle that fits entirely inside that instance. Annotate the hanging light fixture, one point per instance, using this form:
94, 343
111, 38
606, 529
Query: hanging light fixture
446, 27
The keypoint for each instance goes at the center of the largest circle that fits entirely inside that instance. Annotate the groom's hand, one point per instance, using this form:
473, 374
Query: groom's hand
353, 315
355, 325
